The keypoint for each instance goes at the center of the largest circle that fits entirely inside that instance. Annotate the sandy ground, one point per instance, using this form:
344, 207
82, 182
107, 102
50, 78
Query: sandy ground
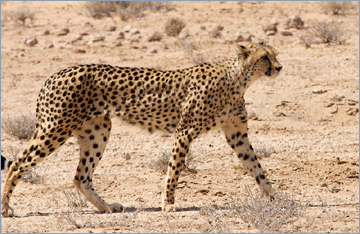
308, 117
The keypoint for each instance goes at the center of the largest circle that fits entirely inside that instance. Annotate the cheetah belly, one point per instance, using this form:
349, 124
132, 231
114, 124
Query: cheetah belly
151, 113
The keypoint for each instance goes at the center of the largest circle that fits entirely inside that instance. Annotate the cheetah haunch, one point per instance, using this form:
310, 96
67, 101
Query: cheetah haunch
79, 101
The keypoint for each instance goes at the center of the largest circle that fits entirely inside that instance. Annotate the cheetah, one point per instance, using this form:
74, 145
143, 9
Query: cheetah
80, 101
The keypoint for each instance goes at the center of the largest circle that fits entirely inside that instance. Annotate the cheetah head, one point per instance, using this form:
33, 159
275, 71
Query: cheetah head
259, 59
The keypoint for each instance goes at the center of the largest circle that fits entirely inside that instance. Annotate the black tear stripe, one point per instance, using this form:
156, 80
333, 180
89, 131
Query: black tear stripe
268, 72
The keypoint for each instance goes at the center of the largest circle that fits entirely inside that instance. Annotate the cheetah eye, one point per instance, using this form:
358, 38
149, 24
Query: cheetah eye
265, 57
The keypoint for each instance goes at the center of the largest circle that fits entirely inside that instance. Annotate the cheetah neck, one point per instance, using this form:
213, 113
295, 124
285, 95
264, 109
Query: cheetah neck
238, 78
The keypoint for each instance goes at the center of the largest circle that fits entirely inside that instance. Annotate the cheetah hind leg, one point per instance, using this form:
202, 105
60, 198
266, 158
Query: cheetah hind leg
93, 137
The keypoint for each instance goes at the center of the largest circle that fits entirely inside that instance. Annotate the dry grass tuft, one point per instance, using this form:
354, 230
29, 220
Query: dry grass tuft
266, 215
216, 220
323, 32
190, 48
216, 32
21, 126
336, 8
21, 14
263, 152
174, 26
124, 9
161, 162
32, 176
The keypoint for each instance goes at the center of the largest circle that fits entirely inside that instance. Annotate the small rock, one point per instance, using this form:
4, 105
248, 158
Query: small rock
319, 91
49, 44
156, 36
127, 156
352, 111
295, 22
324, 185
111, 28
153, 51
286, 33
118, 44
46, 32
329, 104
77, 38
31, 41
352, 102
270, 27
87, 24
239, 38
135, 47
127, 28
270, 33
134, 31
249, 38
63, 32
203, 27
80, 51
98, 38
84, 34
121, 35
333, 109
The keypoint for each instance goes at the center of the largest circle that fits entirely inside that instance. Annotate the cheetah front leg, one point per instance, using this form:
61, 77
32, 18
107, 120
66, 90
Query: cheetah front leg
185, 134
236, 136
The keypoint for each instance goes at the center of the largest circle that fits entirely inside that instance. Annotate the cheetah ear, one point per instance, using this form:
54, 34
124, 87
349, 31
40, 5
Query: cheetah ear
241, 51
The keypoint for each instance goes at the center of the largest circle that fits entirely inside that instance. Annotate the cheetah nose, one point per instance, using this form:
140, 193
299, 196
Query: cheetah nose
278, 68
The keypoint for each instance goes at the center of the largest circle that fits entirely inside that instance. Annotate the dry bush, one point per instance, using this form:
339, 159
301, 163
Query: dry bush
174, 26
216, 32
328, 32
31, 176
21, 126
189, 47
125, 9
161, 162
266, 215
336, 8
263, 152
323, 32
21, 14
216, 220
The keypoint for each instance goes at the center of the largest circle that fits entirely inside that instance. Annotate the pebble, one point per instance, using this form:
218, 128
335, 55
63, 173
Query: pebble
111, 28
118, 44
270, 27
286, 33
319, 91
63, 32
31, 41
49, 44
333, 109
352, 111
46, 32
127, 28
153, 51
98, 38
80, 51
121, 35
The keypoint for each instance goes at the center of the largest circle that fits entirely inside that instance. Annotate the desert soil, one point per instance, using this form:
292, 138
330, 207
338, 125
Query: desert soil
306, 119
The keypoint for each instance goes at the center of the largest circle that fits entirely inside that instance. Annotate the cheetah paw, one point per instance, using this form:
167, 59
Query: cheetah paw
170, 207
116, 208
7, 211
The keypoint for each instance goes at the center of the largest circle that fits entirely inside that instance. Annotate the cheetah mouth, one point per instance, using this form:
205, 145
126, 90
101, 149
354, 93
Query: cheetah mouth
268, 72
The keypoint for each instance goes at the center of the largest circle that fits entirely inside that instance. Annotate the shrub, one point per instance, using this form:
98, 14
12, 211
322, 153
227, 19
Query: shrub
216, 32
174, 26
125, 9
22, 14
323, 32
21, 126
266, 215
336, 8
161, 162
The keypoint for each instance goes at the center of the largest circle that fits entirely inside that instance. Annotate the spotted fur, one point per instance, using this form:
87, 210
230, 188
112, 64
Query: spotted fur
80, 100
